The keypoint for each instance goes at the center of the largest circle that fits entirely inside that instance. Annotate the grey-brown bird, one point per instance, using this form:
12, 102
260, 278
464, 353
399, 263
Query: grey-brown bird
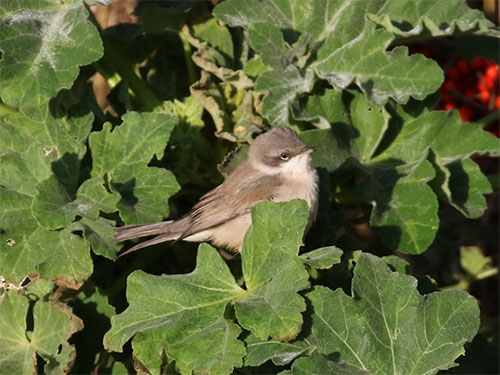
278, 168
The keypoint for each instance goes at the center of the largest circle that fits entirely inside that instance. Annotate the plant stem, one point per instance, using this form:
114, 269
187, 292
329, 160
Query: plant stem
187, 56
488, 119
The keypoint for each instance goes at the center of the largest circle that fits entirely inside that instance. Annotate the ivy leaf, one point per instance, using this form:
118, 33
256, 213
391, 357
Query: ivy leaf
29, 147
54, 207
343, 54
15, 216
405, 212
324, 109
409, 19
101, 235
467, 187
389, 327
181, 307
318, 19
282, 88
322, 258
370, 123
378, 73
43, 45
217, 37
280, 353
320, 364
93, 307
144, 198
437, 130
172, 312
132, 144
53, 325
191, 352
459, 180
273, 271
123, 156
66, 261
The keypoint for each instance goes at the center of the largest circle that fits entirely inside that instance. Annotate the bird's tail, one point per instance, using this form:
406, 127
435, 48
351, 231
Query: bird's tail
166, 231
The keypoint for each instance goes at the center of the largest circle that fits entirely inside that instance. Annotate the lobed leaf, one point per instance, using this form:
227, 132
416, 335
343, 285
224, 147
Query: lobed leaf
407, 19
123, 155
389, 327
53, 325
280, 353
405, 212
378, 73
181, 308
56, 255
43, 44
322, 258
273, 271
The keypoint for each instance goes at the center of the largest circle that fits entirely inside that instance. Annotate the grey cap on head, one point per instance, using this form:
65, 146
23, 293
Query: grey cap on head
278, 140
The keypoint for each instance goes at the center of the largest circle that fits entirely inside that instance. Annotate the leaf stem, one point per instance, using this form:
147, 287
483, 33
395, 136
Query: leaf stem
187, 56
488, 119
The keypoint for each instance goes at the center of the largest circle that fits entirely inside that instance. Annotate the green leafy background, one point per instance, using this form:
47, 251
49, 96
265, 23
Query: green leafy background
386, 281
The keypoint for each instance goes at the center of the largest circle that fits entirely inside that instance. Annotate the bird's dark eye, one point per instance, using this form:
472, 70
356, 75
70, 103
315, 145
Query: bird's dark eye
284, 156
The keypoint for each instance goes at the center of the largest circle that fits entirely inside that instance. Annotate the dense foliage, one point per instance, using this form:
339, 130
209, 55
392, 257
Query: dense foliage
388, 279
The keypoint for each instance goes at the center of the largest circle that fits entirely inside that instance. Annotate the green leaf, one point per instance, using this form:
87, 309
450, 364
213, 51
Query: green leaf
438, 130
93, 307
320, 364
405, 212
144, 197
467, 186
28, 148
318, 19
123, 156
53, 325
53, 206
191, 352
473, 261
56, 255
331, 153
15, 215
266, 38
273, 271
92, 197
324, 110
371, 123
396, 263
182, 307
284, 34
43, 43
280, 353
378, 73
282, 88
172, 312
130, 145
412, 18
218, 37
389, 327
101, 235
322, 258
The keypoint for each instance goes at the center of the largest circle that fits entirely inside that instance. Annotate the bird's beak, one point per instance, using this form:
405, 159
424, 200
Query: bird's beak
308, 150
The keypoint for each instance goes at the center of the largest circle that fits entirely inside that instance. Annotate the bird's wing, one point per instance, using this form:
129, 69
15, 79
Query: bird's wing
230, 200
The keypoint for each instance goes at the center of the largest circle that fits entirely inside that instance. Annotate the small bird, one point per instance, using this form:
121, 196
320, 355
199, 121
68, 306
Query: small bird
278, 168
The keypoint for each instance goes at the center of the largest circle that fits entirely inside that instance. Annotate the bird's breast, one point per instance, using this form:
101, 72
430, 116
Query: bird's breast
300, 186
